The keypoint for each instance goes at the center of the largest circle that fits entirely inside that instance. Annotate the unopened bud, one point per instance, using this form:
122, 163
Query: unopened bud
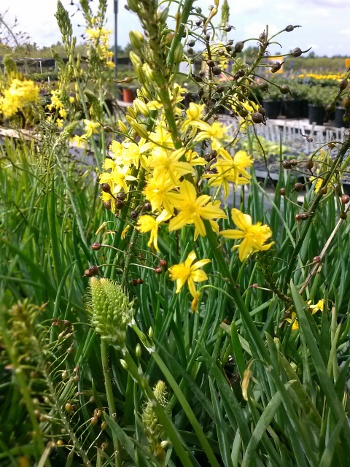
136, 39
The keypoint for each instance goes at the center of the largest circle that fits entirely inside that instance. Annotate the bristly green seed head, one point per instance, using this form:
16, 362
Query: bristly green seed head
111, 310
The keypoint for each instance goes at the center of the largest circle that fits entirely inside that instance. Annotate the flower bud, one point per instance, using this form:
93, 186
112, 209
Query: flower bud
141, 107
178, 53
138, 127
122, 127
123, 364
111, 310
136, 39
133, 5
138, 351
135, 59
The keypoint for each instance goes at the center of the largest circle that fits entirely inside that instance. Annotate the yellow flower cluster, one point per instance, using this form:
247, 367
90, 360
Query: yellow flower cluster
98, 39
19, 94
319, 76
57, 107
173, 177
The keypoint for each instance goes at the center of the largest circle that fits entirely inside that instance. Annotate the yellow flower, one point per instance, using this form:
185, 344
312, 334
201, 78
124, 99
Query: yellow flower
147, 223
193, 210
230, 170
293, 320
90, 127
254, 236
79, 140
159, 193
194, 113
190, 273
168, 164
318, 307
215, 132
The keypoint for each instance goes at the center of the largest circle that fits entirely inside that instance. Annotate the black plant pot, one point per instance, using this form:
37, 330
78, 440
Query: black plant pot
317, 114
339, 118
293, 109
272, 108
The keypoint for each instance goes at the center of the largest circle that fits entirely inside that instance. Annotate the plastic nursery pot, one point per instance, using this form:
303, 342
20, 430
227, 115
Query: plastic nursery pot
317, 114
339, 118
293, 109
272, 108
128, 95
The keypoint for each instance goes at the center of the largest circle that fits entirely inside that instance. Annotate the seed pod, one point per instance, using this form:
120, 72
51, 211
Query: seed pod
96, 246
191, 43
343, 216
289, 28
216, 70
296, 52
276, 67
220, 89
345, 199
304, 216
286, 164
211, 63
309, 164
239, 46
294, 163
317, 259
243, 112
162, 263
119, 204
121, 196
343, 84
228, 28
297, 217
139, 281
106, 188
263, 86
309, 139
262, 111
94, 421
324, 190
257, 117
158, 270
282, 191
103, 425
147, 206
108, 204
298, 186
68, 407
284, 89
190, 51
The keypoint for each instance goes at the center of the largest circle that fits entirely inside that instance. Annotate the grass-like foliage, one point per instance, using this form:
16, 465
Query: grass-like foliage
131, 332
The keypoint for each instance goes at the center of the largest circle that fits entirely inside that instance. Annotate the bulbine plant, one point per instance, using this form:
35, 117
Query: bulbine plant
214, 330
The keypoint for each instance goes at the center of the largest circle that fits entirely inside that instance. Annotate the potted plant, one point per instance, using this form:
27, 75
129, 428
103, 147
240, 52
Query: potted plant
294, 102
272, 101
342, 114
318, 97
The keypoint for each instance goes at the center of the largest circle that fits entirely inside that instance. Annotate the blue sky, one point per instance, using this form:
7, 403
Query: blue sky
325, 23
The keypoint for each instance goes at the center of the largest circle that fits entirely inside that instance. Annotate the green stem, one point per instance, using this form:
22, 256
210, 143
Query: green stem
163, 418
313, 207
110, 397
177, 39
